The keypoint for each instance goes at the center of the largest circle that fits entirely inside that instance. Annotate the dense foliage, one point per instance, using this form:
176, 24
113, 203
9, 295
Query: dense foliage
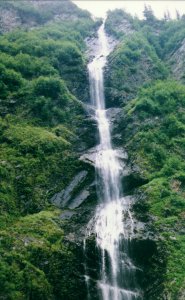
156, 122
37, 83
133, 63
144, 69
30, 14
43, 81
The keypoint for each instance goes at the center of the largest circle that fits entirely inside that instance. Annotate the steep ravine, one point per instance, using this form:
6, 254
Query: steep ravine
144, 246
52, 234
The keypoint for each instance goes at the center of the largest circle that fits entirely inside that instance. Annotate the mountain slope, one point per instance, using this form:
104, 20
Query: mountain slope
141, 77
43, 123
30, 14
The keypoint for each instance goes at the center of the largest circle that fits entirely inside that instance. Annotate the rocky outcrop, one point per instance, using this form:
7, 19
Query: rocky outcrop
9, 20
13, 16
87, 132
124, 27
177, 63
80, 189
124, 77
29, 14
119, 23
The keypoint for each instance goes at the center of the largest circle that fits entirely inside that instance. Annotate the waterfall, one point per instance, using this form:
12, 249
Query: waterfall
116, 280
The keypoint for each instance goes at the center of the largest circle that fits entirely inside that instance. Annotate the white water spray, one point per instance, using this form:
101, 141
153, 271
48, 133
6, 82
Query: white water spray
117, 271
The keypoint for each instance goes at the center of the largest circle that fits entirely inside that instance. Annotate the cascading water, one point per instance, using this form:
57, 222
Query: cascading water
116, 280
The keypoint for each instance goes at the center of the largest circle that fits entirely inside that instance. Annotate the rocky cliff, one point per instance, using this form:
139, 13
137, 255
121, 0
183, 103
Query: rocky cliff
30, 14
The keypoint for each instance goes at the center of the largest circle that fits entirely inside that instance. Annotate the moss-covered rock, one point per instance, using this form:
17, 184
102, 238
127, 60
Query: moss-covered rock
37, 263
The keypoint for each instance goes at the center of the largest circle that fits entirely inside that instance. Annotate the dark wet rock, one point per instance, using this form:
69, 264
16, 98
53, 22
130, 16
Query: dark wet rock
87, 133
84, 195
67, 215
81, 189
76, 225
63, 198
76, 202
131, 181
144, 251
149, 255
115, 115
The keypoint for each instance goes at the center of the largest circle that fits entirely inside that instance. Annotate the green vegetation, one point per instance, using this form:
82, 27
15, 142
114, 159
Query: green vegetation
133, 63
38, 13
156, 124
141, 79
35, 263
116, 22
37, 81
43, 81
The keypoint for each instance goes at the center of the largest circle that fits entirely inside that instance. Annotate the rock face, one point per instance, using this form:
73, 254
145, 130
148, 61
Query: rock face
115, 115
119, 23
9, 20
122, 80
78, 191
28, 14
177, 62
87, 133
89, 156
124, 27
62, 198
93, 46
12, 16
